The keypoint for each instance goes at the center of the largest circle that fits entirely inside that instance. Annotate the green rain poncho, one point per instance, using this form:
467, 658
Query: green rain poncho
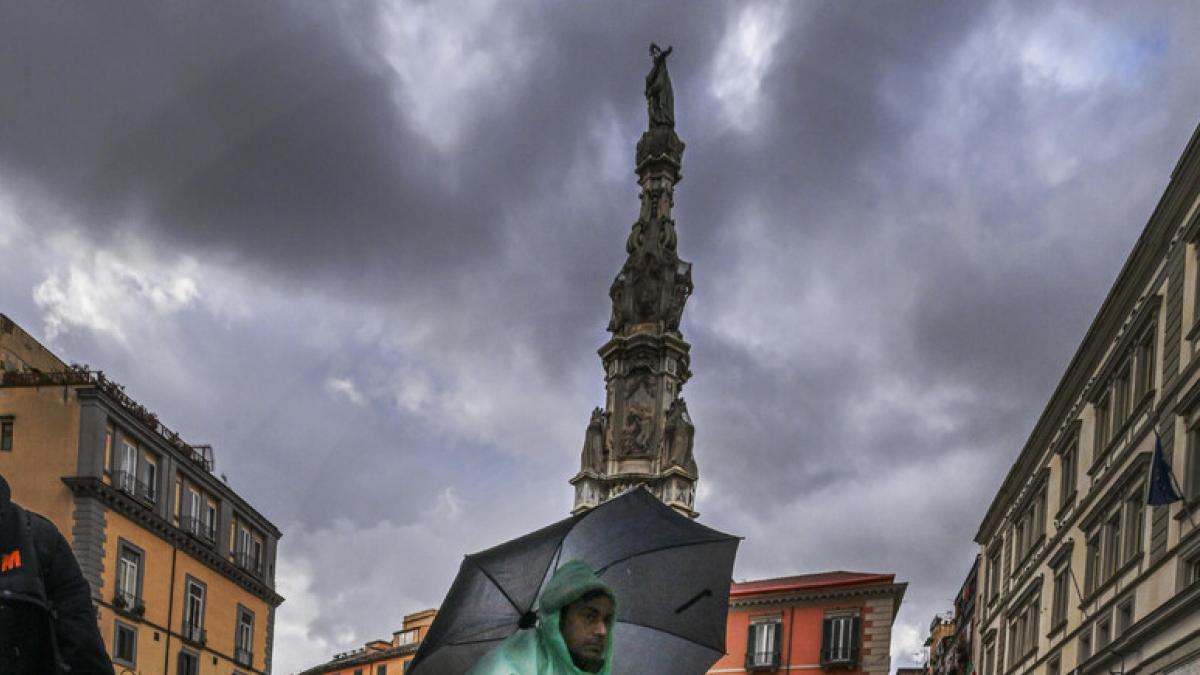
542, 650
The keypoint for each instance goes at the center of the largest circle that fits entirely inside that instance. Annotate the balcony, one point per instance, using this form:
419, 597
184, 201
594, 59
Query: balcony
128, 603
839, 657
243, 657
762, 661
198, 529
194, 633
130, 484
249, 562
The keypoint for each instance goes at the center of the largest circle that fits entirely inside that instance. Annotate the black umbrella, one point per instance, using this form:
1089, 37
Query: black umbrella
671, 576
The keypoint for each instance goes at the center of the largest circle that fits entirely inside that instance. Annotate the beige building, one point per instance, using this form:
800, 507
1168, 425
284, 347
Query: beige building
1078, 574
182, 568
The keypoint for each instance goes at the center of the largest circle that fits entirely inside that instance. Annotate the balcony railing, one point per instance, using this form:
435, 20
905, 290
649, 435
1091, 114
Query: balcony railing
243, 657
128, 602
194, 633
129, 483
762, 660
248, 561
840, 656
198, 528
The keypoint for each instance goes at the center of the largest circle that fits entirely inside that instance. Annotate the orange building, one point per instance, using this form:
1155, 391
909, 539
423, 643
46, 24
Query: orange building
381, 657
832, 621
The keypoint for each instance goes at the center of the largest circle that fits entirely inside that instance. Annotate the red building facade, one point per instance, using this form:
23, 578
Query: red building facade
834, 621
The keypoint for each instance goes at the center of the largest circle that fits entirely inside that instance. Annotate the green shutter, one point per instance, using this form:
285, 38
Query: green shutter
855, 642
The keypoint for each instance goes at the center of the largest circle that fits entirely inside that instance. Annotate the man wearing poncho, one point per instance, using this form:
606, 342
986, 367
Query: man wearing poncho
573, 635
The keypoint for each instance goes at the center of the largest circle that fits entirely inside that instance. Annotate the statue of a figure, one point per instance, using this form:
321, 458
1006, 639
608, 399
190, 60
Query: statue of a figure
660, 98
681, 435
593, 443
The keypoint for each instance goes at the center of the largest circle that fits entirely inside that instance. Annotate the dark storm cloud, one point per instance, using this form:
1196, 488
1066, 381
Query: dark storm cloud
902, 219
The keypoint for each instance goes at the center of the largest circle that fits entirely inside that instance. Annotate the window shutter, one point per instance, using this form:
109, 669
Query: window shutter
826, 639
778, 628
749, 646
855, 629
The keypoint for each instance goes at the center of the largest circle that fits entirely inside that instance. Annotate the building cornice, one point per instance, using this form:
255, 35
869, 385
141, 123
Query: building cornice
126, 506
896, 591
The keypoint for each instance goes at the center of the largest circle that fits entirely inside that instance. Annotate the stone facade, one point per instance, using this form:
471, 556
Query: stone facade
1077, 573
643, 435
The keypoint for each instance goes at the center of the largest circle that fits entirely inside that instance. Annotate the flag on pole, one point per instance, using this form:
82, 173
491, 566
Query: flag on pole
1162, 482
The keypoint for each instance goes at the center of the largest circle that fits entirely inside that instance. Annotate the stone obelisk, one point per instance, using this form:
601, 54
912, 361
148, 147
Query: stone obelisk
643, 435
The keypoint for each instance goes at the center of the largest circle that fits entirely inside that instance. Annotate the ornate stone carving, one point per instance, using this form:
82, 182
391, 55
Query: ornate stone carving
638, 429
660, 96
680, 436
595, 453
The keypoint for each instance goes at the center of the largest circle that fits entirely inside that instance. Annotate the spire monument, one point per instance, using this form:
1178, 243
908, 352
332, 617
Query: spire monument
643, 435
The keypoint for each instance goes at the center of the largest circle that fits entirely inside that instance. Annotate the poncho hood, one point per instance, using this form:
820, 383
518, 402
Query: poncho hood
542, 650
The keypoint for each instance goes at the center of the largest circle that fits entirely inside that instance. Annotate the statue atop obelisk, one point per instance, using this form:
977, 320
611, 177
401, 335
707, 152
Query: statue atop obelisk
644, 435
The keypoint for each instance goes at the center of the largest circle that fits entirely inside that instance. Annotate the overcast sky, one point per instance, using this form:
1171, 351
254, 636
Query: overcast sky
364, 250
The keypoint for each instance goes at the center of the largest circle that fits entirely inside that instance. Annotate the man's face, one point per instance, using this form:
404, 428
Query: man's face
585, 626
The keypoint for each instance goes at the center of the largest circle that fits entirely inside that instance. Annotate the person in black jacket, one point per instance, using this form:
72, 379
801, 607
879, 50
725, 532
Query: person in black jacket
47, 619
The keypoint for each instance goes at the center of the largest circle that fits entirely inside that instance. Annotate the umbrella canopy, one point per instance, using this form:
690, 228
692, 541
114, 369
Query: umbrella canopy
671, 576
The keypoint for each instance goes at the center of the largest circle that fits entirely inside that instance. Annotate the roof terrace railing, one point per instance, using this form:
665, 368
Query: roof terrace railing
76, 375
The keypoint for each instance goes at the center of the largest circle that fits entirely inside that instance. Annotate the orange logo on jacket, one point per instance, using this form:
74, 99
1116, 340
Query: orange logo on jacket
10, 561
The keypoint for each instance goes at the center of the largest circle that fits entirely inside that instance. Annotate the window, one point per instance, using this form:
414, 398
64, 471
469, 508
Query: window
150, 477
243, 641
1112, 545
381, 670
1029, 527
1103, 633
1062, 594
128, 594
6, 434
1054, 666
989, 659
1091, 577
993, 570
248, 549
1124, 617
189, 663
1144, 351
1069, 467
125, 644
1023, 630
1121, 397
1085, 644
193, 612
762, 644
210, 521
1192, 478
136, 471
839, 640
406, 637
127, 461
1102, 426
1135, 518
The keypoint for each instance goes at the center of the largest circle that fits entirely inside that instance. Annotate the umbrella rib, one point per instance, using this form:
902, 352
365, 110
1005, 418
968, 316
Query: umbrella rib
498, 587
648, 551
671, 633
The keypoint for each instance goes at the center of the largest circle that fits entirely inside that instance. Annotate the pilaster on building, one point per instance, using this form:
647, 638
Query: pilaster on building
644, 435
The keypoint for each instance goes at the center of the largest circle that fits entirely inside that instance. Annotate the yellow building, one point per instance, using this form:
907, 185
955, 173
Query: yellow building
182, 568
382, 657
